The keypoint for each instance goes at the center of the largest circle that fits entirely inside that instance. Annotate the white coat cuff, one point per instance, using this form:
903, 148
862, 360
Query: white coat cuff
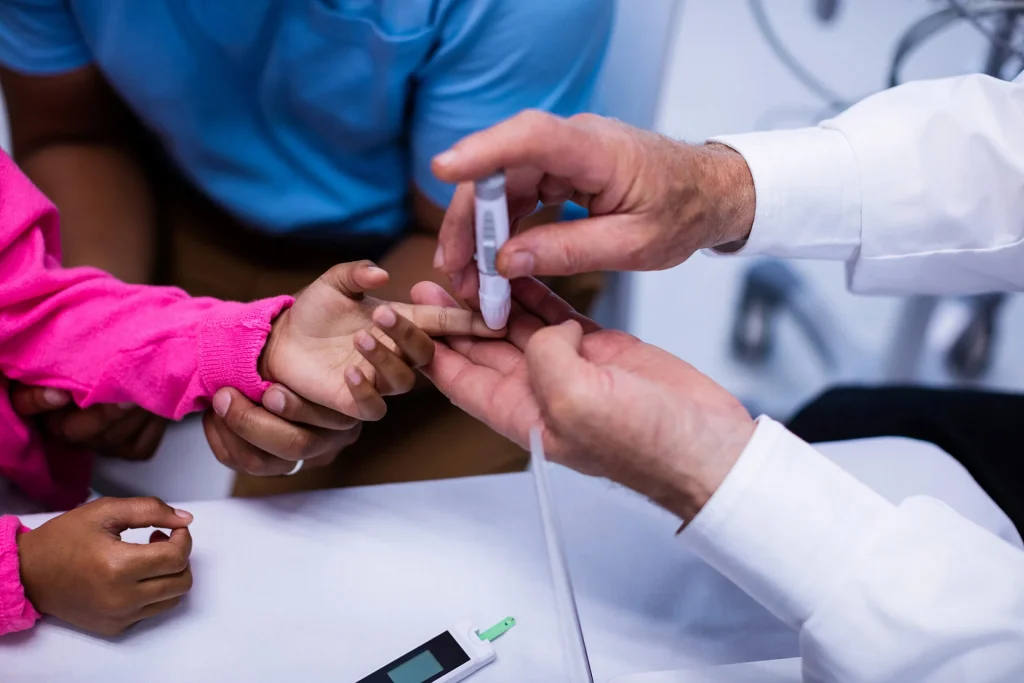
786, 525
807, 193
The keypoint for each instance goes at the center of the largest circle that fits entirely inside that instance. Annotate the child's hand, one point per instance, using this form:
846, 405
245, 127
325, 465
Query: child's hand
76, 567
344, 350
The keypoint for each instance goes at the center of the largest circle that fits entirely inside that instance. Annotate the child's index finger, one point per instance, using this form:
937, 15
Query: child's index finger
444, 321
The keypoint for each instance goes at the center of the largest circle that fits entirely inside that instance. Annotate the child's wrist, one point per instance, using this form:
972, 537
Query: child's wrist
264, 365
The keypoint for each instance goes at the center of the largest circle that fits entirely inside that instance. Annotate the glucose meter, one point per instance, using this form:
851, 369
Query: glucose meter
452, 656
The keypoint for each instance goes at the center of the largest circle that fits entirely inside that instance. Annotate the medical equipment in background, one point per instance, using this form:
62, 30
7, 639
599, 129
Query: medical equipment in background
773, 288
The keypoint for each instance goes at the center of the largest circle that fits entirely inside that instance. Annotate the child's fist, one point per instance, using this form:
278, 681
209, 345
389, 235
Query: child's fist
76, 567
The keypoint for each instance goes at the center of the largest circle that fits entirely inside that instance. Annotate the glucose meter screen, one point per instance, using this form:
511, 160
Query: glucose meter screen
419, 669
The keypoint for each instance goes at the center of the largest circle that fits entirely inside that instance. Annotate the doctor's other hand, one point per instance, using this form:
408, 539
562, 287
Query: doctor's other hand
610, 405
343, 350
76, 567
653, 201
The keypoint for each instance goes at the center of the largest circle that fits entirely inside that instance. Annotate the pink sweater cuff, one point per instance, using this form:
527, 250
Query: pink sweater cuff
231, 342
16, 612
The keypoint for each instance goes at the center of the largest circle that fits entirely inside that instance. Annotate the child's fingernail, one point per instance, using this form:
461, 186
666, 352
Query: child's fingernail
354, 376
376, 272
446, 158
366, 342
54, 397
386, 317
439, 257
520, 264
125, 405
274, 401
187, 516
456, 279
221, 403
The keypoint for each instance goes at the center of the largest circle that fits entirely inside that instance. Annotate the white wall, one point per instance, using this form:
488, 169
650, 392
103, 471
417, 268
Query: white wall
723, 78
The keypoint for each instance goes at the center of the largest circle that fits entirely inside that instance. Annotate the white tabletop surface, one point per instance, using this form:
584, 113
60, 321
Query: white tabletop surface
330, 586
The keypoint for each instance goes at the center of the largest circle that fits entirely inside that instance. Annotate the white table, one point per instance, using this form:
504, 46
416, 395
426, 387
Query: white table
331, 585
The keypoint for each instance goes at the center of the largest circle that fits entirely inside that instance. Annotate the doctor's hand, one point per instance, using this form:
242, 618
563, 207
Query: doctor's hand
653, 201
610, 405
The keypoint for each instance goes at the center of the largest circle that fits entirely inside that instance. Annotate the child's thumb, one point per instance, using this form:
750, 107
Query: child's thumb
120, 514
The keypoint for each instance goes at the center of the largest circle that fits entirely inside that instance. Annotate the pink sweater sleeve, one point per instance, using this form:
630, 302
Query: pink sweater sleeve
104, 341
16, 612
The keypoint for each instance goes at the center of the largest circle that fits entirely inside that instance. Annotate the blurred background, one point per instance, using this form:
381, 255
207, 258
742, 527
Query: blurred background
774, 334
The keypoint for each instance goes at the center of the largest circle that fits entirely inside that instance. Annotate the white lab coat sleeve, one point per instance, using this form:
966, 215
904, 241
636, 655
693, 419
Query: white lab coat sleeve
919, 188
877, 592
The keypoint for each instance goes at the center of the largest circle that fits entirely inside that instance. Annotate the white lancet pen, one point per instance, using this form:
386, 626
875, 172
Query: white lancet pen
491, 234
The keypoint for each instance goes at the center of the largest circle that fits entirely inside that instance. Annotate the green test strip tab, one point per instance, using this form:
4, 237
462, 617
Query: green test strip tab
498, 630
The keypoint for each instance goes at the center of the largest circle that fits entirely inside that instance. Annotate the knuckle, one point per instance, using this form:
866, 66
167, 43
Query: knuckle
537, 118
239, 418
114, 567
150, 505
586, 118
443, 318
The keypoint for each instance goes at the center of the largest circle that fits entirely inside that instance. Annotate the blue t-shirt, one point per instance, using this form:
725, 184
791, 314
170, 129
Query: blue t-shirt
318, 114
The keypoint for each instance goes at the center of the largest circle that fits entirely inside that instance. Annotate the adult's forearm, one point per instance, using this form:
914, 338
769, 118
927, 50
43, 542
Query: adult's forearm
105, 203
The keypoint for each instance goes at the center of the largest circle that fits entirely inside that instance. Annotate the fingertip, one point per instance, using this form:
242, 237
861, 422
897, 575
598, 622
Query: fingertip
385, 317
274, 400
55, 398
443, 164
372, 276
365, 341
354, 376
185, 515
222, 401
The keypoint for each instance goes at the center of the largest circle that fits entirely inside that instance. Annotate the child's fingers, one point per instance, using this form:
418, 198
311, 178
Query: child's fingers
285, 403
118, 514
443, 321
414, 344
368, 401
162, 588
393, 375
429, 293
166, 558
158, 608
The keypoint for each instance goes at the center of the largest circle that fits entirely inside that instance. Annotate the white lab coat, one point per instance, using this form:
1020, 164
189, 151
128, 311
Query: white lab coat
921, 190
